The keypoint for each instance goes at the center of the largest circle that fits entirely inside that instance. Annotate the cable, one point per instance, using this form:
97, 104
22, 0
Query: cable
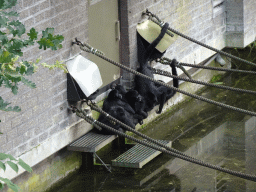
167, 62
164, 84
165, 73
186, 158
204, 45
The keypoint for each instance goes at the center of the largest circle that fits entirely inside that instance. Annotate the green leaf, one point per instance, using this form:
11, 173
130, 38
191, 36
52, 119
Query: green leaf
20, 28
14, 187
3, 156
11, 157
33, 34
28, 83
1, 186
3, 106
15, 47
3, 21
2, 165
16, 109
5, 4
10, 184
49, 40
6, 57
13, 166
22, 69
45, 43
11, 14
25, 166
30, 68
15, 89
47, 32
3, 38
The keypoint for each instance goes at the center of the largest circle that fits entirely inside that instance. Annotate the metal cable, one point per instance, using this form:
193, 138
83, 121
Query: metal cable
164, 84
183, 157
161, 60
202, 44
168, 74
217, 68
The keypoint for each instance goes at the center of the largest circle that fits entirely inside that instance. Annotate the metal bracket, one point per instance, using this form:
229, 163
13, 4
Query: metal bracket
95, 155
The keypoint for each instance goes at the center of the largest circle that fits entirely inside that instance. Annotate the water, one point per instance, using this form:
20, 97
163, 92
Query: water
213, 134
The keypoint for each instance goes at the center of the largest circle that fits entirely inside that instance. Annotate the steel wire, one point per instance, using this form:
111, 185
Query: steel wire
164, 84
168, 74
167, 150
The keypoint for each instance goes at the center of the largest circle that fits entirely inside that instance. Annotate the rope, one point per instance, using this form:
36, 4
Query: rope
165, 73
158, 22
85, 116
161, 23
161, 60
164, 84
168, 150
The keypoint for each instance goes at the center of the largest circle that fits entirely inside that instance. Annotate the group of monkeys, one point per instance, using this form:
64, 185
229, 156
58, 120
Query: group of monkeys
131, 107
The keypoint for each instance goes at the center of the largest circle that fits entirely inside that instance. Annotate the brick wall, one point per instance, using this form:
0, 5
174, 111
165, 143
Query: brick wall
44, 109
249, 21
240, 23
44, 113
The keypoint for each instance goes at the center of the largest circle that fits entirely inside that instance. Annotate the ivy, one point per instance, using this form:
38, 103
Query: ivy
11, 44
13, 163
49, 40
14, 70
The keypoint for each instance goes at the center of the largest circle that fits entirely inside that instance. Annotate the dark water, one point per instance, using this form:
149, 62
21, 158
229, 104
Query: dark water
213, 134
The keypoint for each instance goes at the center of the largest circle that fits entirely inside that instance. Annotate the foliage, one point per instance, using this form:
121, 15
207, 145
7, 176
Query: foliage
248, 53
14, 70
13, 163
12, 40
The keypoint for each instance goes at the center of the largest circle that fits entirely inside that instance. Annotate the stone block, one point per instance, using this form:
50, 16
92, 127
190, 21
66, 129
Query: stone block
28, 3
18, 141
43, 137
44, 5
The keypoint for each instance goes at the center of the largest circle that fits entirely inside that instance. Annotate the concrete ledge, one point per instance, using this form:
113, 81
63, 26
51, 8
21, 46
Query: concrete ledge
49, 147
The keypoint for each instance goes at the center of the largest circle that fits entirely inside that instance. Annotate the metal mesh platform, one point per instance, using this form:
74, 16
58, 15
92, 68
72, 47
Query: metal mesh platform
91, 142
137, 156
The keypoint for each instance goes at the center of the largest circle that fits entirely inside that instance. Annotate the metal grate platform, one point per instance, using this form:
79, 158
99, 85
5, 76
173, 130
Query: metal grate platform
138, 156
91, 142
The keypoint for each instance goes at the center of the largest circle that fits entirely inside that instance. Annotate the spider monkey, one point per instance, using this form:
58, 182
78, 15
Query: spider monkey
146, 88
116, 107
167, 93
118, 113
136, 101
115, 99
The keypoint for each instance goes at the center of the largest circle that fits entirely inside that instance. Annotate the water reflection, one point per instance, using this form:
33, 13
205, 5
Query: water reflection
231, 145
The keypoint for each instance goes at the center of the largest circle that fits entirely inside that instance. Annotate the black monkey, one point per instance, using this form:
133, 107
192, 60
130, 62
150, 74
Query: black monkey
121, 90
136, 101
116, 107
146, 88
115, 99
167, 93
118, 113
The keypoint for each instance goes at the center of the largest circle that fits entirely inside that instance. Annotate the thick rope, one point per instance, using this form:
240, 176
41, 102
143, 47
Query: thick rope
168, 74
161, 60
169, 86
158, 22
169, 150
207, 46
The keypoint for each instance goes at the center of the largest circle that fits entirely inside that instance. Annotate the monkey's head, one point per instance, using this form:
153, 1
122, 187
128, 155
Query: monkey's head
113, 86
121, 89
114, 94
